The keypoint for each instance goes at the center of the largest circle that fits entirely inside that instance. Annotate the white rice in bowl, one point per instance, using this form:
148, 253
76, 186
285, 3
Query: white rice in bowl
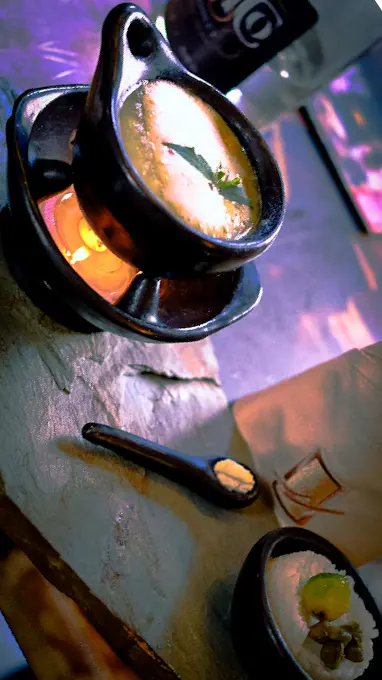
285, 579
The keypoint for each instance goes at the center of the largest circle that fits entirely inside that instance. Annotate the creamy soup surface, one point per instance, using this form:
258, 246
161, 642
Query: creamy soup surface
173, 138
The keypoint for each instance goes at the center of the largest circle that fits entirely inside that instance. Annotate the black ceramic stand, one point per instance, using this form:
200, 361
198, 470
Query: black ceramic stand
39, 135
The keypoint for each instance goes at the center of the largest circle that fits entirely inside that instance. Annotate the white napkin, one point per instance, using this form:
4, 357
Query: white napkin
316, 441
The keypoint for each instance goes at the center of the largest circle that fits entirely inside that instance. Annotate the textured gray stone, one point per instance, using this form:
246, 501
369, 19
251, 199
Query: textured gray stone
162, 560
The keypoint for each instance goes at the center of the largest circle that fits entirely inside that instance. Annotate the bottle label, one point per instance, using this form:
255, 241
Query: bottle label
253, 22
223, 41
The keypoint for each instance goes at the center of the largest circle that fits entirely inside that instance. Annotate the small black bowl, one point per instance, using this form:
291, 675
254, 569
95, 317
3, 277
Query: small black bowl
257, 638
128, 217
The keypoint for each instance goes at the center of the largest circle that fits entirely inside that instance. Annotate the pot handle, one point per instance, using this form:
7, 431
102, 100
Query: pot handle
132, 50
142, 299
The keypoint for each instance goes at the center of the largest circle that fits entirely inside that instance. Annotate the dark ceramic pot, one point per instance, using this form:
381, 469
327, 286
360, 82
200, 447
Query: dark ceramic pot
39, 164
133, 222
210, 290
257, 638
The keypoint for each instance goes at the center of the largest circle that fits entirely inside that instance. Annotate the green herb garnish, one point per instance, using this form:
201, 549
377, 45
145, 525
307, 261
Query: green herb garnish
196, 160
230, 189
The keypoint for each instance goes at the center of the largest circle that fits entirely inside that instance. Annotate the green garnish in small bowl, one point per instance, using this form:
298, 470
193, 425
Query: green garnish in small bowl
327, 596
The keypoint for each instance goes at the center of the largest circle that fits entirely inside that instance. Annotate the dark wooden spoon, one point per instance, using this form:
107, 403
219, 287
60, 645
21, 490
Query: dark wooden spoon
222, 481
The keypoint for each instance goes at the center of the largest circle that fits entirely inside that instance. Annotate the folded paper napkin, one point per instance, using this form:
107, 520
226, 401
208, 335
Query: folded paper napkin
316, 441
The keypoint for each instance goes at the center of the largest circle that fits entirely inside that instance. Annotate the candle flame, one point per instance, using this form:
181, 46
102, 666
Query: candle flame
79, 255
82, 248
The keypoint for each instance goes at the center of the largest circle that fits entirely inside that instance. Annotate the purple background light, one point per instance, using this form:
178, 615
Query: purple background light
43, 43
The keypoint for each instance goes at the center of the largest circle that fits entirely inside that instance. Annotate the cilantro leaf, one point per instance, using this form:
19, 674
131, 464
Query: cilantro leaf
235, 193
230, 189
222, 184
196, 160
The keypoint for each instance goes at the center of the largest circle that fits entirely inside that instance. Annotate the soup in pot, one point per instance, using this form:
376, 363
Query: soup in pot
191, 159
